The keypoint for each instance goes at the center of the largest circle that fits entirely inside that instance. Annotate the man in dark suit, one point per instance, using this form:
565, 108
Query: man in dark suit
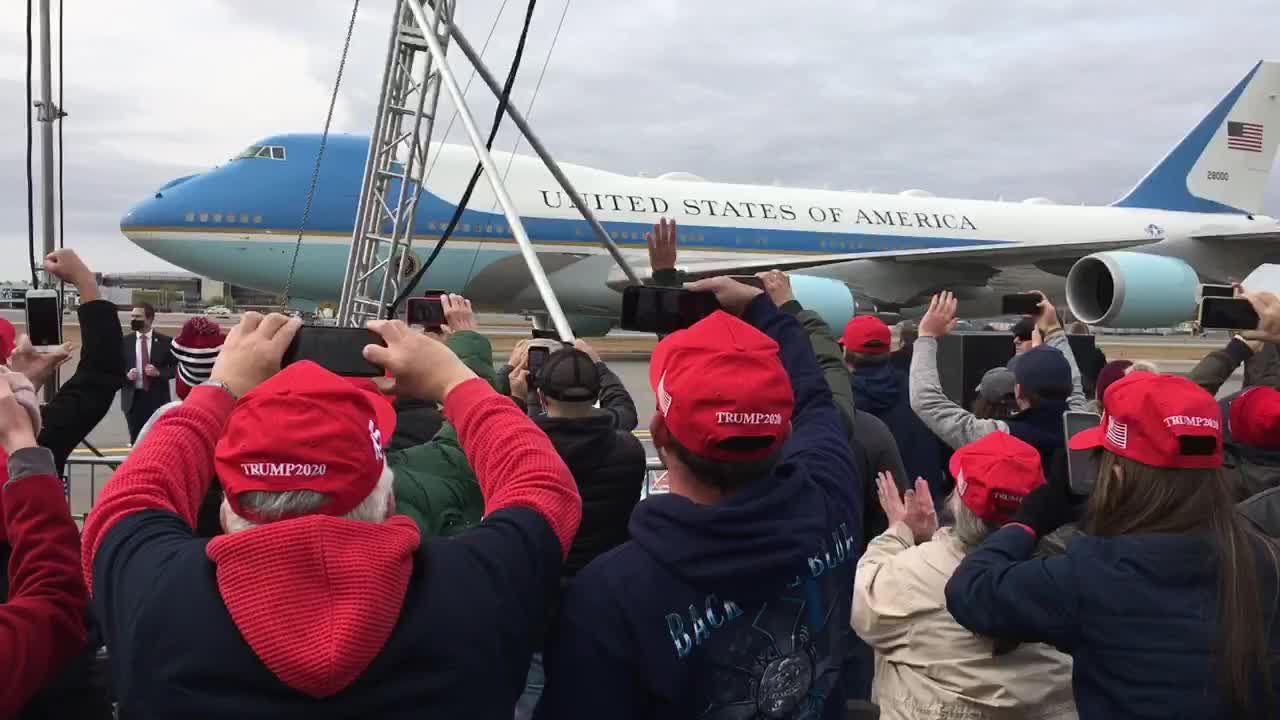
150, 365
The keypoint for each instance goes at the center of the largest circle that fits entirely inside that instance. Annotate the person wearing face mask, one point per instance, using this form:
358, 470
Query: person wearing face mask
149, 366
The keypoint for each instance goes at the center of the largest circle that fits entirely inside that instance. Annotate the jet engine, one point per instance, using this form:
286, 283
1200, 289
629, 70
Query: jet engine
1132, 290
831, 299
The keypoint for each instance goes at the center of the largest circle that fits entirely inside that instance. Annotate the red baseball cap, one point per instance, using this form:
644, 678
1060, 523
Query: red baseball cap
1159, 420
8, 339
305, 429
721, 379
995, 474
1255, 418
866, 334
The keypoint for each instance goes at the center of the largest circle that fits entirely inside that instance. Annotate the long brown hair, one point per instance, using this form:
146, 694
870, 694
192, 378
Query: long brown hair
1146, 499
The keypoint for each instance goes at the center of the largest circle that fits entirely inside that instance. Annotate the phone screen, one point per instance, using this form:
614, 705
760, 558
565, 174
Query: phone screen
537, 357
1228, 314
1217, 291
336, 349
1082, 465
426, 311
664, 310
43, 319
1021, 304
751, 280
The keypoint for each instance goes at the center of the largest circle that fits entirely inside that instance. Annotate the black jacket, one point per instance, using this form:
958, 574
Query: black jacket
416, 423
161, 355
77, 408
609, 466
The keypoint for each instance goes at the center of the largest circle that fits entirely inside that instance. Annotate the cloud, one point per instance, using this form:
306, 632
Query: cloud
1072, 100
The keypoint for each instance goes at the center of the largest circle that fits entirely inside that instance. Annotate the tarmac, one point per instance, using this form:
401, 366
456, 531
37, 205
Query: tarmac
626, 353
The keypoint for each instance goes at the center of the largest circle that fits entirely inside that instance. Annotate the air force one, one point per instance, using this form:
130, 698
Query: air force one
1136, 263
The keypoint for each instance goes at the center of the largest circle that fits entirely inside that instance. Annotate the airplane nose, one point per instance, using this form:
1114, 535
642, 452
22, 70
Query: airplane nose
157, 211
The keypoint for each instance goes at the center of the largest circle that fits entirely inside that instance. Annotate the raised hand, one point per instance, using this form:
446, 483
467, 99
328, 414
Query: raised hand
16, 429
37, 366
519, 379
1267, 306
940, 320
913, 509
519, 354
458, 315
778, 285
662, 245
732, 295
422, 367
1047, 321
585, 347
253, 350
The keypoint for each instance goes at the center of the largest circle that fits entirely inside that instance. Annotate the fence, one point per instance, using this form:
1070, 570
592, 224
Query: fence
90, 472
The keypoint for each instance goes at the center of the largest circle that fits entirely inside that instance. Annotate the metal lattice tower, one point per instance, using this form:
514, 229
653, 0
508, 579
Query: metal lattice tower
380, 258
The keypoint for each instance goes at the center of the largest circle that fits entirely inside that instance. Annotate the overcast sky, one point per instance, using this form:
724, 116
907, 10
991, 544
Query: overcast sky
1073, 100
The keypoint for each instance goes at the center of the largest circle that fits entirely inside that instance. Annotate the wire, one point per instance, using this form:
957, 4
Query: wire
449, 128
62, 222
324, 140
475, 175
536, 88
31, 193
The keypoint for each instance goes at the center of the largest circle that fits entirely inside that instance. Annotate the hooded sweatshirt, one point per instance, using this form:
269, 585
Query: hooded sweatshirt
318, 616
710, 609
882, 390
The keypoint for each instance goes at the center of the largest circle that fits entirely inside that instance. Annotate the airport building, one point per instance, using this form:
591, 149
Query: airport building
178, 291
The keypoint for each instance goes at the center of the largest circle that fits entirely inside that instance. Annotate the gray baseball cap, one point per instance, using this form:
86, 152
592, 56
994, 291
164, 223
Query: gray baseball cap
997, 385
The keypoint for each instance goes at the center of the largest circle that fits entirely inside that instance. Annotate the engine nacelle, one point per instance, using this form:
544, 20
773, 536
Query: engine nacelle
831, 299
1132, 290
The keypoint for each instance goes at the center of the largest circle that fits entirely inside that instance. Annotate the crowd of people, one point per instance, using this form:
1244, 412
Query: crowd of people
839, 537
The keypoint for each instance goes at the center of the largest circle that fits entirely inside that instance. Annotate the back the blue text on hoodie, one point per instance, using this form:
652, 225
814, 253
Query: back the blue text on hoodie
732, 610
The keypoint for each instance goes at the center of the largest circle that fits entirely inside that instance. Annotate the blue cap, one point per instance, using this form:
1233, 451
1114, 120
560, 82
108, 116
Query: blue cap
1043, 368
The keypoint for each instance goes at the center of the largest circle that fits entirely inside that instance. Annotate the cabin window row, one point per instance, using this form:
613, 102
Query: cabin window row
217, 217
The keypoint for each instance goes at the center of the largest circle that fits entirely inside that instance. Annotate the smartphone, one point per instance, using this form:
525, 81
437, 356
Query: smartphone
427, 311
1082, 465
1021, 304
1228, 313
662, 310
537, 358
549, 334
751, 280
1217, 291
336, 349
44, 320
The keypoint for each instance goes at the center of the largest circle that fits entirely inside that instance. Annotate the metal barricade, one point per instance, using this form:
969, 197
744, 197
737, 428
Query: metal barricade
90, 471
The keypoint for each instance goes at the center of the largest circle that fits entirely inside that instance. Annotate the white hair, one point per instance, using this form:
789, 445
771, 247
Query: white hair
1142, 366
271, 506
968, 528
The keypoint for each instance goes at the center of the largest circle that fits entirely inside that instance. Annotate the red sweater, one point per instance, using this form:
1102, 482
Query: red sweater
42, 623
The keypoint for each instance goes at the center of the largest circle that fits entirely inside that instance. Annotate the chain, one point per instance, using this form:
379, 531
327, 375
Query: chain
324, 139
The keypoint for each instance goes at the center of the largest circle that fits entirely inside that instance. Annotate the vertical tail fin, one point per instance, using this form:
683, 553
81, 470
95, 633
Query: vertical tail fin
1222, 165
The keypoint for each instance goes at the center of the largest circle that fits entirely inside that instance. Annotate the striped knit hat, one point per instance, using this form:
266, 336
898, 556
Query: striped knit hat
196, 349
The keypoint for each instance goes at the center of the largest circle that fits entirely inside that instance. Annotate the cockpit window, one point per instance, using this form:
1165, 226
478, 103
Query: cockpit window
266, 152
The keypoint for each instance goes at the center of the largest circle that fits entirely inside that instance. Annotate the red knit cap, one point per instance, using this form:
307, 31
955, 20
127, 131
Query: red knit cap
196, 349
7, 338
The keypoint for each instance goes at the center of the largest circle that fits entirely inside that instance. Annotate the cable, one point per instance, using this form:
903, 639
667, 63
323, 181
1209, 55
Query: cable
31, 193
475, 176
324, 140
62, 222
449, 128
528, 113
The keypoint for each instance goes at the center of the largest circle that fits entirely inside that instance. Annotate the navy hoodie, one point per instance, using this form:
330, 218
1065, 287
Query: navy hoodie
732, 608
882, 391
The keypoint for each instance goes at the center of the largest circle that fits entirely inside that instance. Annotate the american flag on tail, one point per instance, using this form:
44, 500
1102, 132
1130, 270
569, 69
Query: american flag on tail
1244, 136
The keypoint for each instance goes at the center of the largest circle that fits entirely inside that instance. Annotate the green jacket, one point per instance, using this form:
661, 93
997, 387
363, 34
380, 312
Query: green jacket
434, 483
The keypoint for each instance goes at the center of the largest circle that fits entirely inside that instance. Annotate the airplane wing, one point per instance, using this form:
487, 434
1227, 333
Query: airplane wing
1269, 235
988, 256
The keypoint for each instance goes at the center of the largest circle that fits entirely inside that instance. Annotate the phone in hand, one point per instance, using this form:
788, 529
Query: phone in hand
751, 280
1217, 291
1021, 304
1082, 465
44, 320
548, 334
427, 311
538, 355
1228, 313
339, 350
662, 310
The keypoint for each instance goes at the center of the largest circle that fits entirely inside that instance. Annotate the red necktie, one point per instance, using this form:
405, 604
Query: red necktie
146, 360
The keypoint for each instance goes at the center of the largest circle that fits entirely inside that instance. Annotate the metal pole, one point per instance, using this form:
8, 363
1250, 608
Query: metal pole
543, 153
47, 114
491, 173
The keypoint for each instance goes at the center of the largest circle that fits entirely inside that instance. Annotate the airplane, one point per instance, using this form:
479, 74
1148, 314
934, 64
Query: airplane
1135, 263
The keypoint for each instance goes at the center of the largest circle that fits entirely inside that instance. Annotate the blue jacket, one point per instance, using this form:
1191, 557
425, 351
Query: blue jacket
1136, 613
882, 390
709, 609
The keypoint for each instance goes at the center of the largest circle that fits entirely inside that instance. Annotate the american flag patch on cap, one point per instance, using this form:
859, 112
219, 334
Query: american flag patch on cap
1117, 433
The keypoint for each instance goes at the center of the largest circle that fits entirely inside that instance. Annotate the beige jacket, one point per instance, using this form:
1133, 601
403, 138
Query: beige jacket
927, 666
